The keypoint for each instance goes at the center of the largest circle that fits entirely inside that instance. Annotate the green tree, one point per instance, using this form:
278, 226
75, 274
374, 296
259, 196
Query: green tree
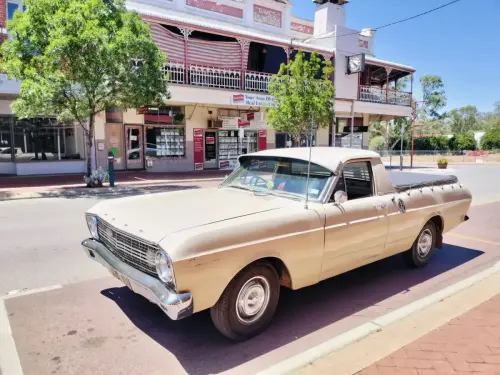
434, 96
463, 120
299, 96
462, 142
491, 139
76, 58
377, 143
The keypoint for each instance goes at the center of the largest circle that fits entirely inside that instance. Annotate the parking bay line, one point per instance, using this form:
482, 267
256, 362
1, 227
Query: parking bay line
9, 358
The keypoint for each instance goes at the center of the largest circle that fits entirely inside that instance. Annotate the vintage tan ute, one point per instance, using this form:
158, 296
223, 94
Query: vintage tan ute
230, 249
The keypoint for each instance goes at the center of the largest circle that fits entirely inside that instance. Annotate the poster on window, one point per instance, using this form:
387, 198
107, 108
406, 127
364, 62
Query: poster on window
262, 140
198, 149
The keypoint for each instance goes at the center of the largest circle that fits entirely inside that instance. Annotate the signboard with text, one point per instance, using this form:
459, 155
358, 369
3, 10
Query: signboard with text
262, 142
254, 100
198, 149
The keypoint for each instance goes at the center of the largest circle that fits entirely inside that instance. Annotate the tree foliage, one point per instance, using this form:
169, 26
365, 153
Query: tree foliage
463, 142
76, 58
491, 139
299, 95
434, 96
463, 120
434, 143
377, 143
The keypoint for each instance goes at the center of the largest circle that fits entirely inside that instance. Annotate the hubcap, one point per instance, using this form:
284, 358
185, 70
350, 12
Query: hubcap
425, 243
252, 300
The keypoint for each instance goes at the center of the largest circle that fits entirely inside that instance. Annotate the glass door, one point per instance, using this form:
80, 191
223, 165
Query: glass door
210, 139
134, 147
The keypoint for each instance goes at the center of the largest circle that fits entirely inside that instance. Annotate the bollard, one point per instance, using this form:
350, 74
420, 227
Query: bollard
111, 169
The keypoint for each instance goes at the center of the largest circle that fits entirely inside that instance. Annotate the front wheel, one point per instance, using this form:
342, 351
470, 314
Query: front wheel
421, 252
249, 302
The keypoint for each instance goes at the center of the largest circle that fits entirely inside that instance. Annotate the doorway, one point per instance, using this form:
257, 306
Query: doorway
210, 140
114, 138
134, 146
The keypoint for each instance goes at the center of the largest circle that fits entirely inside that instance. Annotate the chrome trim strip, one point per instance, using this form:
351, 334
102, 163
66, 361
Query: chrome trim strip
176, 306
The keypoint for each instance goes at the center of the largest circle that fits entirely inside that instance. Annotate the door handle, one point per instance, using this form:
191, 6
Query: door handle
380, 205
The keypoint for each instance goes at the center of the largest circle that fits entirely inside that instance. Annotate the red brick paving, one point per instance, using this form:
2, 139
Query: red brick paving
469, 344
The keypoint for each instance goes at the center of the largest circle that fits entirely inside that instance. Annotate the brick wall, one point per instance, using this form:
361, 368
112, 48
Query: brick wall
3, 18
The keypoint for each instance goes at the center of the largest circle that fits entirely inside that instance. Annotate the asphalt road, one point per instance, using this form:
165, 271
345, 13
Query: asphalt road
94, 325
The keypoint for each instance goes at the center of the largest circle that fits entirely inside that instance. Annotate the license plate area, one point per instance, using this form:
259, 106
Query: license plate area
122, 278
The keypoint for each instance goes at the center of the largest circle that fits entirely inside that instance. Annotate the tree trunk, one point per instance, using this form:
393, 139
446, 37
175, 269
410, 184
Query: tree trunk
90, 141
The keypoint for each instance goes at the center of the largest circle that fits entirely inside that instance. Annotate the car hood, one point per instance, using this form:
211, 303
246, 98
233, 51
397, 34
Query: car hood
155, 216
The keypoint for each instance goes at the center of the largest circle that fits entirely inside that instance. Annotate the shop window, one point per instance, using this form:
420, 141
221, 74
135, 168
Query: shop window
165, 141
284, 140
5, 140
42, 139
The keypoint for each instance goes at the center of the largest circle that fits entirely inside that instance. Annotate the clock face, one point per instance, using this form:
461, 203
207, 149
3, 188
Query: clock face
354, 64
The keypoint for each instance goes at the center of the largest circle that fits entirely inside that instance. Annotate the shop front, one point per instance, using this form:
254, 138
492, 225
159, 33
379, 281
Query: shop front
219, 147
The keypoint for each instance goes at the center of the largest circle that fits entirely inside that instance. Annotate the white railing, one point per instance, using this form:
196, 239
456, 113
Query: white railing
372, 94
214, 77
400, 98
255, 81
176, 72
377, 95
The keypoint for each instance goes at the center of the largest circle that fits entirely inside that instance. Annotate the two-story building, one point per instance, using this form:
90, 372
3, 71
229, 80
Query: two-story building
221, 55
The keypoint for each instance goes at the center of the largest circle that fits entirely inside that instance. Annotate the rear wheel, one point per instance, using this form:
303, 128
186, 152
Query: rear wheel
423, 248
249, 302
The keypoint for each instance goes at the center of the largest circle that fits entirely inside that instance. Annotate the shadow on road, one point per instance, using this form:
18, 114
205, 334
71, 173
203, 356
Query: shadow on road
201, 350
104, 193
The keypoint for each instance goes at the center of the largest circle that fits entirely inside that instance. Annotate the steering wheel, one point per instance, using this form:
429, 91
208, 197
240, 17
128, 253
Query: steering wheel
258, 181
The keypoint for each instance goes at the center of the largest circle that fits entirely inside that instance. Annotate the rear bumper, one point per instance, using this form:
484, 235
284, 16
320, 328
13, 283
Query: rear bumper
176, 306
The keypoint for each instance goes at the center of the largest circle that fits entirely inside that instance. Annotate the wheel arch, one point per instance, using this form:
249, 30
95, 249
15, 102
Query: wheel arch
438, 221
278, 264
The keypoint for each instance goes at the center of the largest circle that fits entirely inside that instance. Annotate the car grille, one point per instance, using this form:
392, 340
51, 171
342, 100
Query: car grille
129, 249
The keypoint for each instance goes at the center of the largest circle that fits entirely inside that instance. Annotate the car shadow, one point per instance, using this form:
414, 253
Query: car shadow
201, 350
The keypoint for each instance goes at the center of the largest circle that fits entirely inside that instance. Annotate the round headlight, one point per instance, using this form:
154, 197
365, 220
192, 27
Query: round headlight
92, 224
164, 267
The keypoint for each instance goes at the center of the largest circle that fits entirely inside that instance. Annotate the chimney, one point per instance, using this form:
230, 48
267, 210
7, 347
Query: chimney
328, 14
367, 41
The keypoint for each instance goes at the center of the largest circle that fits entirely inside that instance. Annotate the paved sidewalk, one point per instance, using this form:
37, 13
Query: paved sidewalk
467, 344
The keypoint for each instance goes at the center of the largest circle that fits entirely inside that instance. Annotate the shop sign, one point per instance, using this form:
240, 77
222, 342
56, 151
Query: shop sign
210, 140
262, 140
250, 116
198, 149
243, 124
255, 100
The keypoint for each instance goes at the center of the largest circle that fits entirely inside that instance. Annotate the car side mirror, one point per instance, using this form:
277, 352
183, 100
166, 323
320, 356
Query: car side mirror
340, 197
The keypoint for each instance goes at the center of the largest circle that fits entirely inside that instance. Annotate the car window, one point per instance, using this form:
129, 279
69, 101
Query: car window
279, 176
356, 180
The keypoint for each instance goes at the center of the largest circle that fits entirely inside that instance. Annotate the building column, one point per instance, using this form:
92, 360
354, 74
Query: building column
388, 71
186, 33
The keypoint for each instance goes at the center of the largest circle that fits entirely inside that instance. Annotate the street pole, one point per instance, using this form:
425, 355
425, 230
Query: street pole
352, 124
401, 152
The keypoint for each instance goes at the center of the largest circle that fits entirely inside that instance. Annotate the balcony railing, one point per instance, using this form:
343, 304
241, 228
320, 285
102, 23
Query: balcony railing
377, 95
255, 81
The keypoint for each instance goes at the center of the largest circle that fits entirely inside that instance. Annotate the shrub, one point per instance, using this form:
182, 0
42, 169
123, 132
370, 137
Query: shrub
97, 177
377, 143
443, 161
462, 142
491, 139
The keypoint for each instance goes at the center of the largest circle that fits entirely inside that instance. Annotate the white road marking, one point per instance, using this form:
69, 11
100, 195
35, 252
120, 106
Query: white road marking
24, 292
9, 358
338, 342
10, 363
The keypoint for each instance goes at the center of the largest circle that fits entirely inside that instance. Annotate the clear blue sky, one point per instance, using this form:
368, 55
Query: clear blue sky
460, 43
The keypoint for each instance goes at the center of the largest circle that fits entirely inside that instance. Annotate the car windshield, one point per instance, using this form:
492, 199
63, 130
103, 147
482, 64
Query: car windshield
279, 176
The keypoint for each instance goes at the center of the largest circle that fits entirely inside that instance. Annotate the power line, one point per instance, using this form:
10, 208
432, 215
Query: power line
403, 20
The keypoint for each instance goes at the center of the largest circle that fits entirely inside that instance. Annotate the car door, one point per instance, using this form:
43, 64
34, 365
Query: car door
356, 230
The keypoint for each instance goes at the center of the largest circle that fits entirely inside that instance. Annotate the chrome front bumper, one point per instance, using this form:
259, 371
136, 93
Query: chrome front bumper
176, 306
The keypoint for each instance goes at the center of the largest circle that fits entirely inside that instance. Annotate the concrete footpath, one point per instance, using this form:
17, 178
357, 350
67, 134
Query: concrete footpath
458, 334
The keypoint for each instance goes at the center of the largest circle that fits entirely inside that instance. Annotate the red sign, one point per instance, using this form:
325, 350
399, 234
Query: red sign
238, 98
224, 164
243, 124
250, 115
262, 140
210, 140
198, 149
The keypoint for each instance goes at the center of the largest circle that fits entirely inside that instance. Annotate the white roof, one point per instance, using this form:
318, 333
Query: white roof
205, 22
327, 157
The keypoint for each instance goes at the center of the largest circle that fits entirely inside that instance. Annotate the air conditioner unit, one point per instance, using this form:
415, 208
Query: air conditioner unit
214, 124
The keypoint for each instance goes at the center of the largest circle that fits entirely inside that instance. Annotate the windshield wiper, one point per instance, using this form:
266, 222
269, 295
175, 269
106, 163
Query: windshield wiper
287, 194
